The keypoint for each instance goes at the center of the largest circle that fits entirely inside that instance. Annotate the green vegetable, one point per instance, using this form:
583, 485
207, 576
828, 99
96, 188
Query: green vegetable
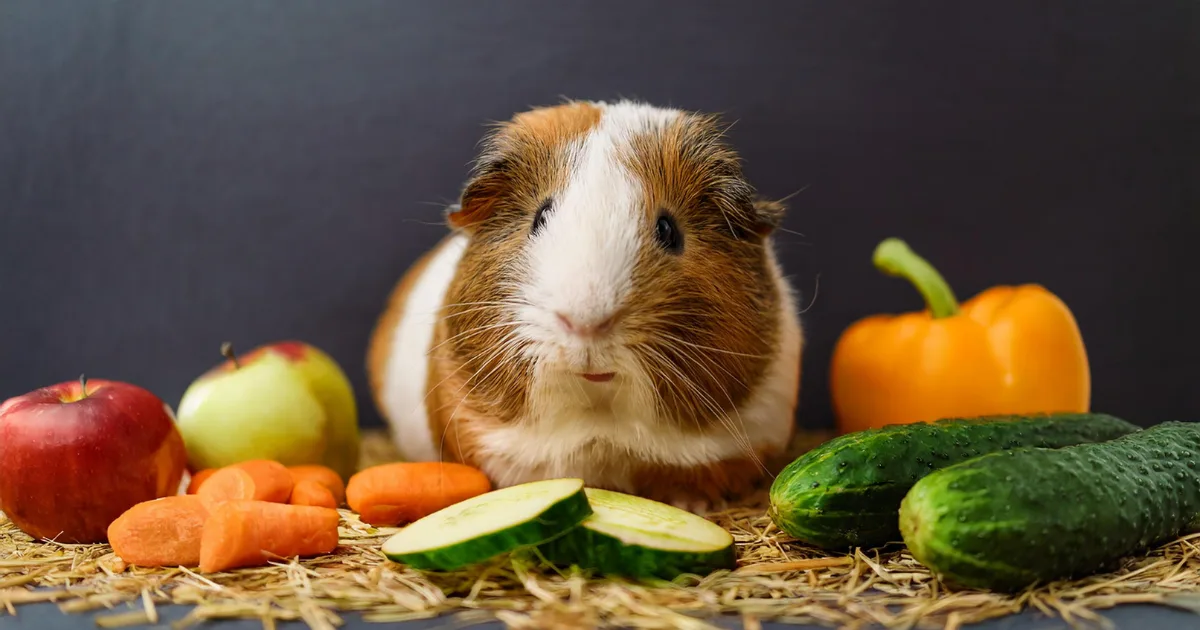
637, 537
1010, 520
490, 524
847, 492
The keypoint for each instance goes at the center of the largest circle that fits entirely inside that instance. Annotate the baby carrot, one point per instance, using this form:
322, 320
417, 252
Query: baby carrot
309, 492
238, 482
227, 484
200, 477
392, 494
160, 532
323, 475
272, 480
252, 533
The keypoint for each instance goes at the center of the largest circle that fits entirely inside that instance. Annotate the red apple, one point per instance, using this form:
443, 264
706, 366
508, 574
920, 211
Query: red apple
74, 456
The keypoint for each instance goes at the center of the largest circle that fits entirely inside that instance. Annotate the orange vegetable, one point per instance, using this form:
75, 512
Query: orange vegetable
258, 483
273, 481
269, 473
199, 478
323, 475
161, 532
391, 494
253, 533
1008, 350
309, 492
227, 484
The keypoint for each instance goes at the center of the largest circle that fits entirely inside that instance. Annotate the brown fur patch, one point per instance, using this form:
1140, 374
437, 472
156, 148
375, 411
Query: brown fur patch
555, 125
379, 346
706, 319
454, 424
528, 151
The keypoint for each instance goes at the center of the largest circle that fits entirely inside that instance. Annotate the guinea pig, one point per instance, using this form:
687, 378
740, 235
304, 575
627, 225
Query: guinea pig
607, 305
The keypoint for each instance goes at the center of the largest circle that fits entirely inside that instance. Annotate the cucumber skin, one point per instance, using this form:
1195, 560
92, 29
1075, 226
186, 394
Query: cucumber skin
590, 549
862, 477
1008, 521
558, 519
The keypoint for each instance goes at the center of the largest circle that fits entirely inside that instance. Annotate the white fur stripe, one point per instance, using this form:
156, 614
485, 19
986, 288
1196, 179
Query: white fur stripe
404, 383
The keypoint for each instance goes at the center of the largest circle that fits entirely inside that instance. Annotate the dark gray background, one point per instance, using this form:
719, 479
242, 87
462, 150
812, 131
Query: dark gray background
175, 174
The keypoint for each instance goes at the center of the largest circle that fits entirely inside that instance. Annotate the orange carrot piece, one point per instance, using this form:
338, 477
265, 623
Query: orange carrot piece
259, 480
199, 478
392, 494
323, 475
272, 480
227, 484
160, 532
253, 533
309, 492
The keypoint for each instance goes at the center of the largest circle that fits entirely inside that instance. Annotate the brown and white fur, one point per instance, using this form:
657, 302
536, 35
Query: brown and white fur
495, 347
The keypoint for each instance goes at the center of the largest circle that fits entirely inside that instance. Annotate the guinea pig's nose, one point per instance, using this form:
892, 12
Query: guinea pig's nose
589, 327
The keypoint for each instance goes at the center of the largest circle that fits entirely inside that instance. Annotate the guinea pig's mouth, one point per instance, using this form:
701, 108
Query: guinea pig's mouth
600, 378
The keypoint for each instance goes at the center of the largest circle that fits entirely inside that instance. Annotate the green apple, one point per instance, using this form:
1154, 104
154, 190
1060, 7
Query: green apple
287, 401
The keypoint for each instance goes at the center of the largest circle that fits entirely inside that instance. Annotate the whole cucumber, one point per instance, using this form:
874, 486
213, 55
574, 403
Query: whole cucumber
1011, 520
847, 491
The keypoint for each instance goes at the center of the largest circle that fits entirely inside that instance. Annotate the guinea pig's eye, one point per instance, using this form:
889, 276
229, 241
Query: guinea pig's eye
539, 217
666, 232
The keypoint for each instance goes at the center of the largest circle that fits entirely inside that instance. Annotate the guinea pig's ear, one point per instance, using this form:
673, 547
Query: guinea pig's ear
768, 215
478, 200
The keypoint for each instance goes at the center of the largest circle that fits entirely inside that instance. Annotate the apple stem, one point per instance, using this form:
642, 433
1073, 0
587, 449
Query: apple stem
227, 352
83, 384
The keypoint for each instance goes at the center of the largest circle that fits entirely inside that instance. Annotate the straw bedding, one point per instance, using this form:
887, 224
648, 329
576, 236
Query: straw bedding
777, 579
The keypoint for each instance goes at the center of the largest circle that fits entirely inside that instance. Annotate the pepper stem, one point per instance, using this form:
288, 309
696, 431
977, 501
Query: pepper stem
83, 385
227, 352
895, 258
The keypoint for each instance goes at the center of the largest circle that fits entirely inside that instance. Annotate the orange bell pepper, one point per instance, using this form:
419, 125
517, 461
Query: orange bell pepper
1008, 350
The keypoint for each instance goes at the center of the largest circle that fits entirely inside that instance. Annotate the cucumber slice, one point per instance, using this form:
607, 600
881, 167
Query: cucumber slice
490, 524
636, 537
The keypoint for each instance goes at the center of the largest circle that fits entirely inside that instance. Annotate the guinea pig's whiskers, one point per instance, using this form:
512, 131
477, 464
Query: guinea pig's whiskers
813, 299
457, 370
481, 303
649, 362
509, 340
728, 223
577, 388
444, 310
505, 347
468, 311
504, 301
698, 346
453, 419
694, 390
472, 332
738, 429
621, 388
716, 364
739, 437
505, 350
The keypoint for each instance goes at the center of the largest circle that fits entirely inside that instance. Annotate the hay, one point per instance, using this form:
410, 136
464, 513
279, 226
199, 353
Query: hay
777, 579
